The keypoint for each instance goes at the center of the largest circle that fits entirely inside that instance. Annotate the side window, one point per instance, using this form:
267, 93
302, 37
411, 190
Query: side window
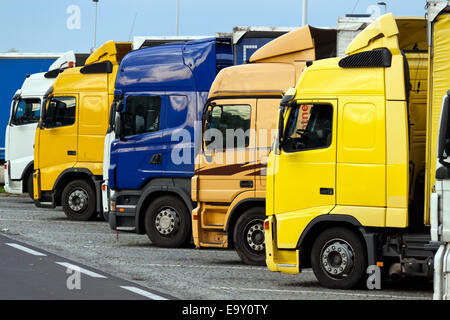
60, 112
228, 126
27, 111
142, 114
308, 127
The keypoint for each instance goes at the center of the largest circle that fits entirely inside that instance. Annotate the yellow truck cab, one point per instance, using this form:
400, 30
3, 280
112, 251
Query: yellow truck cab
69, 139
345, 190
242, 107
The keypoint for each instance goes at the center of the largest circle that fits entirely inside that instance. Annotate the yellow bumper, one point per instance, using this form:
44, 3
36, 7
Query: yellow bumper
195, 226
37, 184
284, 261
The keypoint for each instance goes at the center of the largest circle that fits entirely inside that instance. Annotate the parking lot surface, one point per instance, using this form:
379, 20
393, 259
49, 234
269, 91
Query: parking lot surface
187, 273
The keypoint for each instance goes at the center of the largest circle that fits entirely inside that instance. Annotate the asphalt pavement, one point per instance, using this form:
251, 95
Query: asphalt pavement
29, 273
130, 260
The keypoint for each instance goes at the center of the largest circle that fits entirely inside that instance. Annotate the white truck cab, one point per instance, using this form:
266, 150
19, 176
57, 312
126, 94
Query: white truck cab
21, 128
440, 207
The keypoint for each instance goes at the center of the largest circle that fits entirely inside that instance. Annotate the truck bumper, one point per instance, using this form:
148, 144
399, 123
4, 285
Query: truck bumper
121, 217
12, 186
195, 227
105, 196
47, 200
205, 233
284, 261
442, 273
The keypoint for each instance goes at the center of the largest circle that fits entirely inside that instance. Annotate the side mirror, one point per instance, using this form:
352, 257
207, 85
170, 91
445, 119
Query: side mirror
13, 110
47, 97
207, 115
119, 106
285, 102
444, 132
118, 128
41, 123
112, 115
288, 96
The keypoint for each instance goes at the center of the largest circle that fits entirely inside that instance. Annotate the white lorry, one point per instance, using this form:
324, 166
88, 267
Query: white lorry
438, 128
21, 127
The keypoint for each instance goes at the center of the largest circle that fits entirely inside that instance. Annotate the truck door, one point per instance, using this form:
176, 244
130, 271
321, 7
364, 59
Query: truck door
178, 136
227, 164
140, 153
306, 178
57, 141
267, 116
92, 126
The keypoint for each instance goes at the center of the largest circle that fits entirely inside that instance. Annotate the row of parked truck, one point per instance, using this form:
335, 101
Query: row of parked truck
296, 159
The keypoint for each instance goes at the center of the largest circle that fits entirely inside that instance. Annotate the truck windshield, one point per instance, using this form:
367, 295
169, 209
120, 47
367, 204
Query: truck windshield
309, 126
27, 111
141, 114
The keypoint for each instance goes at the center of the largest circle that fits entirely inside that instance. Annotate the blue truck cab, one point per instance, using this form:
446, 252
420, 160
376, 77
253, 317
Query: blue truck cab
160, 93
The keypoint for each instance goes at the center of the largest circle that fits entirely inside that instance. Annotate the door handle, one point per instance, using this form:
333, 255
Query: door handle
246, 184
71, 153
156, 158
327, 191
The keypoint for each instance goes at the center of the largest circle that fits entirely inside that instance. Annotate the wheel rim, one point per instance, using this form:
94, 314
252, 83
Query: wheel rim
78, 200
167, 222
337, 259
254, 233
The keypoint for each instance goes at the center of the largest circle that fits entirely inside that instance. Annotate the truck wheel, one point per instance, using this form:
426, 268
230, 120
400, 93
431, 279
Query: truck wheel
30, 189
78, 201
168, 222
248, 237
338, 258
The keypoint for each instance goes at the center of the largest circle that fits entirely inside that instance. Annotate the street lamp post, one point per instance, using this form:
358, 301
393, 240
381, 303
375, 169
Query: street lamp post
305, 12
382, 4
178, 14
95, 24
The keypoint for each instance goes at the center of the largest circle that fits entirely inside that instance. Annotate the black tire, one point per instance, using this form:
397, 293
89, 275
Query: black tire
78, 201
339, 258
30, 188
168, 222
248, 237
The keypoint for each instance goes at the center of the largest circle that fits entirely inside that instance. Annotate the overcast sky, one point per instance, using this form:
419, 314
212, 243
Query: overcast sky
61, 25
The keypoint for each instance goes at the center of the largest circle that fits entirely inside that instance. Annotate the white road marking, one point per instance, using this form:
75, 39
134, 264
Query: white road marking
143, 293
25, 249
47, 221
77, 268
208, 266
301, 291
